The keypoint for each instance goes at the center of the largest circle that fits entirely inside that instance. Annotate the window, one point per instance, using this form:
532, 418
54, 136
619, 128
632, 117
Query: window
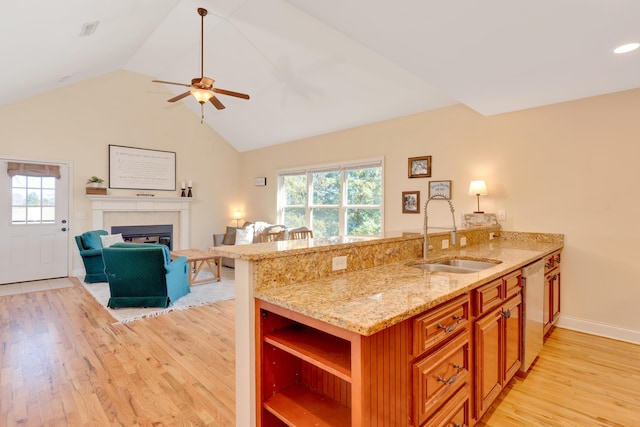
33, 199
336, 200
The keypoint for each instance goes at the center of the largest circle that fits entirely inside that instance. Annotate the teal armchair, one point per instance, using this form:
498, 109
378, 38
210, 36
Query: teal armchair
90, 247
143, 275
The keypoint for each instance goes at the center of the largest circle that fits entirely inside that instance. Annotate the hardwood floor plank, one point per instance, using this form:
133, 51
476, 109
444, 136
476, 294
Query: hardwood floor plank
578, 380
63, 361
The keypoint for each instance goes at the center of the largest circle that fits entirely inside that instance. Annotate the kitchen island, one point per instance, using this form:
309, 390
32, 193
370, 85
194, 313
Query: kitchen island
284, 284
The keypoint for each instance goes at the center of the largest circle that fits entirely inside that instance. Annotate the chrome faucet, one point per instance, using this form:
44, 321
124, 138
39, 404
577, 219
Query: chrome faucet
425, 251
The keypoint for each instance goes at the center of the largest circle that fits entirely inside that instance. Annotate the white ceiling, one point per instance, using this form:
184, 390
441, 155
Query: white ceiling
313, 67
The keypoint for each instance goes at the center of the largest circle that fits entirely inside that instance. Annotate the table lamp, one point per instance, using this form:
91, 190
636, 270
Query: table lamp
478, 188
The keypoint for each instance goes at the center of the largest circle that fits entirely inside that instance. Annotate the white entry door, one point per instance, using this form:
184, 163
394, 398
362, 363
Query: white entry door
33, 225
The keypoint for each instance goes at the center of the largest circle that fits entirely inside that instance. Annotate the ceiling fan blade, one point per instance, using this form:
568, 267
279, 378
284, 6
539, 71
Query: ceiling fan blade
170, 83
179, 97
216, 102
231, 93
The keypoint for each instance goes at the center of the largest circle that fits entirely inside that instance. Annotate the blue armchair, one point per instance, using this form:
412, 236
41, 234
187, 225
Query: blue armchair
143, 275
90, 247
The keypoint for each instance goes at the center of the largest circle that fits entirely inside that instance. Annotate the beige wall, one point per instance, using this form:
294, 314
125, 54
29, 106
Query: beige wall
568, 168
77, 123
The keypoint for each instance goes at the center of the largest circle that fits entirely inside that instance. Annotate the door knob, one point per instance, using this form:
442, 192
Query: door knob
64, 221
64, 229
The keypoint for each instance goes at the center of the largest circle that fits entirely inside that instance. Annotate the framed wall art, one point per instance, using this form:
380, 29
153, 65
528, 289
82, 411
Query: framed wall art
440, 187
411, 202
141, 168
420, 167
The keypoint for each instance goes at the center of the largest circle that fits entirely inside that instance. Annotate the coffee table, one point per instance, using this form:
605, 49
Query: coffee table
198, 258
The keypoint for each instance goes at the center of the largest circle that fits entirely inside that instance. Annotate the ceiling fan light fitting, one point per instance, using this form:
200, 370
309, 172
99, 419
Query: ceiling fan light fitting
201, 96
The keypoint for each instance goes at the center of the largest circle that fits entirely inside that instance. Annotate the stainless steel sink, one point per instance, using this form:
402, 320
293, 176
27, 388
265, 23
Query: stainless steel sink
458, 266
444, 268
468, 263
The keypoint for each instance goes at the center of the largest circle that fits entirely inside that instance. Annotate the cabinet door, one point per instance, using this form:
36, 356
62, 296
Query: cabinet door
512, 321
488, 358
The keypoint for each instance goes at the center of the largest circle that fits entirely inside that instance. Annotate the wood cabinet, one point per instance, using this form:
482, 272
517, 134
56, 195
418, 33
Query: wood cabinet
444, 367
310, 373
416, 372
551, 308
497, 338
441, 366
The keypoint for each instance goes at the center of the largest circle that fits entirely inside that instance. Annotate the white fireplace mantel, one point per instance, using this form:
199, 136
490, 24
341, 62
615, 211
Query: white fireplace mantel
102, 204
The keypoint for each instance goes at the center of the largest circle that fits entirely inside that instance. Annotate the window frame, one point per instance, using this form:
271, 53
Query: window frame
342, 168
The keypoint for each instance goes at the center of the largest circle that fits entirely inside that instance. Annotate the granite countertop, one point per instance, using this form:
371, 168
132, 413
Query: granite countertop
370, 300
283, 248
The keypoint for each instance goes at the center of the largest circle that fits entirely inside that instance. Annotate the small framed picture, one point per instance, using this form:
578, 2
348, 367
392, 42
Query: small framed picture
420, 167
440, 187
411, 202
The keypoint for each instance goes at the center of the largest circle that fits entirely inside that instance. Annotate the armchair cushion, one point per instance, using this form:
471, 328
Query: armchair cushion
143, 275
91, 239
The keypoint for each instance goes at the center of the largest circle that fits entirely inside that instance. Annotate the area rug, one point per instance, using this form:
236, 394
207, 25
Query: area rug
204, 294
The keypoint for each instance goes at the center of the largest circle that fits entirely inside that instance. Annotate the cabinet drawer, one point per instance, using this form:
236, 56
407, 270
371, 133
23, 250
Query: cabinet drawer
455, 412
439, 324
513, 283
552, 261
438, 376
486, 297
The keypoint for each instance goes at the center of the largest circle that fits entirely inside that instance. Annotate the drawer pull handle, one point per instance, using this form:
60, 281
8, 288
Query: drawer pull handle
449, 381
548, 265
446, 329
558, 259
457, 318
455, 424
554, 277
506, 314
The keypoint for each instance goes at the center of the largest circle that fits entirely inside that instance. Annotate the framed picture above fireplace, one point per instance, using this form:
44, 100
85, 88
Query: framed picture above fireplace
141, 168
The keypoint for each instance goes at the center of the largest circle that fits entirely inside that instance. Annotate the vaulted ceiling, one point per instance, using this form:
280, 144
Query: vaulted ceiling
313, 67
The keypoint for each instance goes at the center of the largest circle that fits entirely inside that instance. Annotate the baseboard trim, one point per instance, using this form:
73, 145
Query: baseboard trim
600, 329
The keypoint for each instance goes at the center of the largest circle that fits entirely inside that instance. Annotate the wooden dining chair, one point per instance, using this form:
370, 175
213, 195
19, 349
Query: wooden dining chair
270, 237
300, 234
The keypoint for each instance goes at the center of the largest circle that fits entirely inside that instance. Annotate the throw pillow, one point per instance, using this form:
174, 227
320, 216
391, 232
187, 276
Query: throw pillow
110, 239
244, 236
230, 236
91, 240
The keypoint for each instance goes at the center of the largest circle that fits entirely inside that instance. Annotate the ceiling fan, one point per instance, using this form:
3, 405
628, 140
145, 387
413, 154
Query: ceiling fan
202, 87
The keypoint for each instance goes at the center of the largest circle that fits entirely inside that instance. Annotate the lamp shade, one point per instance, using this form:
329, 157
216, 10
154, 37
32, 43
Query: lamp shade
478, 187
201, 95
237, 215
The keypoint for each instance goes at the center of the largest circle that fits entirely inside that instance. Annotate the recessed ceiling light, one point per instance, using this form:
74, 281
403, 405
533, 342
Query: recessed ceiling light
626, 48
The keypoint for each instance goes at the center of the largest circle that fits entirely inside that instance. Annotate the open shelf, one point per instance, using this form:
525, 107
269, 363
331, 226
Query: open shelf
299, 406
318, 348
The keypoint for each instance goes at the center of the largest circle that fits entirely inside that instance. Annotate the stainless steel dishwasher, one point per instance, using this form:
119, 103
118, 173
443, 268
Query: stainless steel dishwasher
533, 319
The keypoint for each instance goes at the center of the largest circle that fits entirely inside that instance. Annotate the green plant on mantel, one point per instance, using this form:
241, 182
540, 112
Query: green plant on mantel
95, 180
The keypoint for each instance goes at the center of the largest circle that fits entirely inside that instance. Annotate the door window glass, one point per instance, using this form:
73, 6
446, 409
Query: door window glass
33, 200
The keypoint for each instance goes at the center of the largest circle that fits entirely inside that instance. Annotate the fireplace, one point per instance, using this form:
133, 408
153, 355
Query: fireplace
162, 234
110, 211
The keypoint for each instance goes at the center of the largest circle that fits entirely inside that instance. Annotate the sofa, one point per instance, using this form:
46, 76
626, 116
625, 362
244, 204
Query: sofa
143, 275
248, 233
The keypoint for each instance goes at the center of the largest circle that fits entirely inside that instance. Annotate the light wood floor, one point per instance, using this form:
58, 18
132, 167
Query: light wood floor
63, 362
